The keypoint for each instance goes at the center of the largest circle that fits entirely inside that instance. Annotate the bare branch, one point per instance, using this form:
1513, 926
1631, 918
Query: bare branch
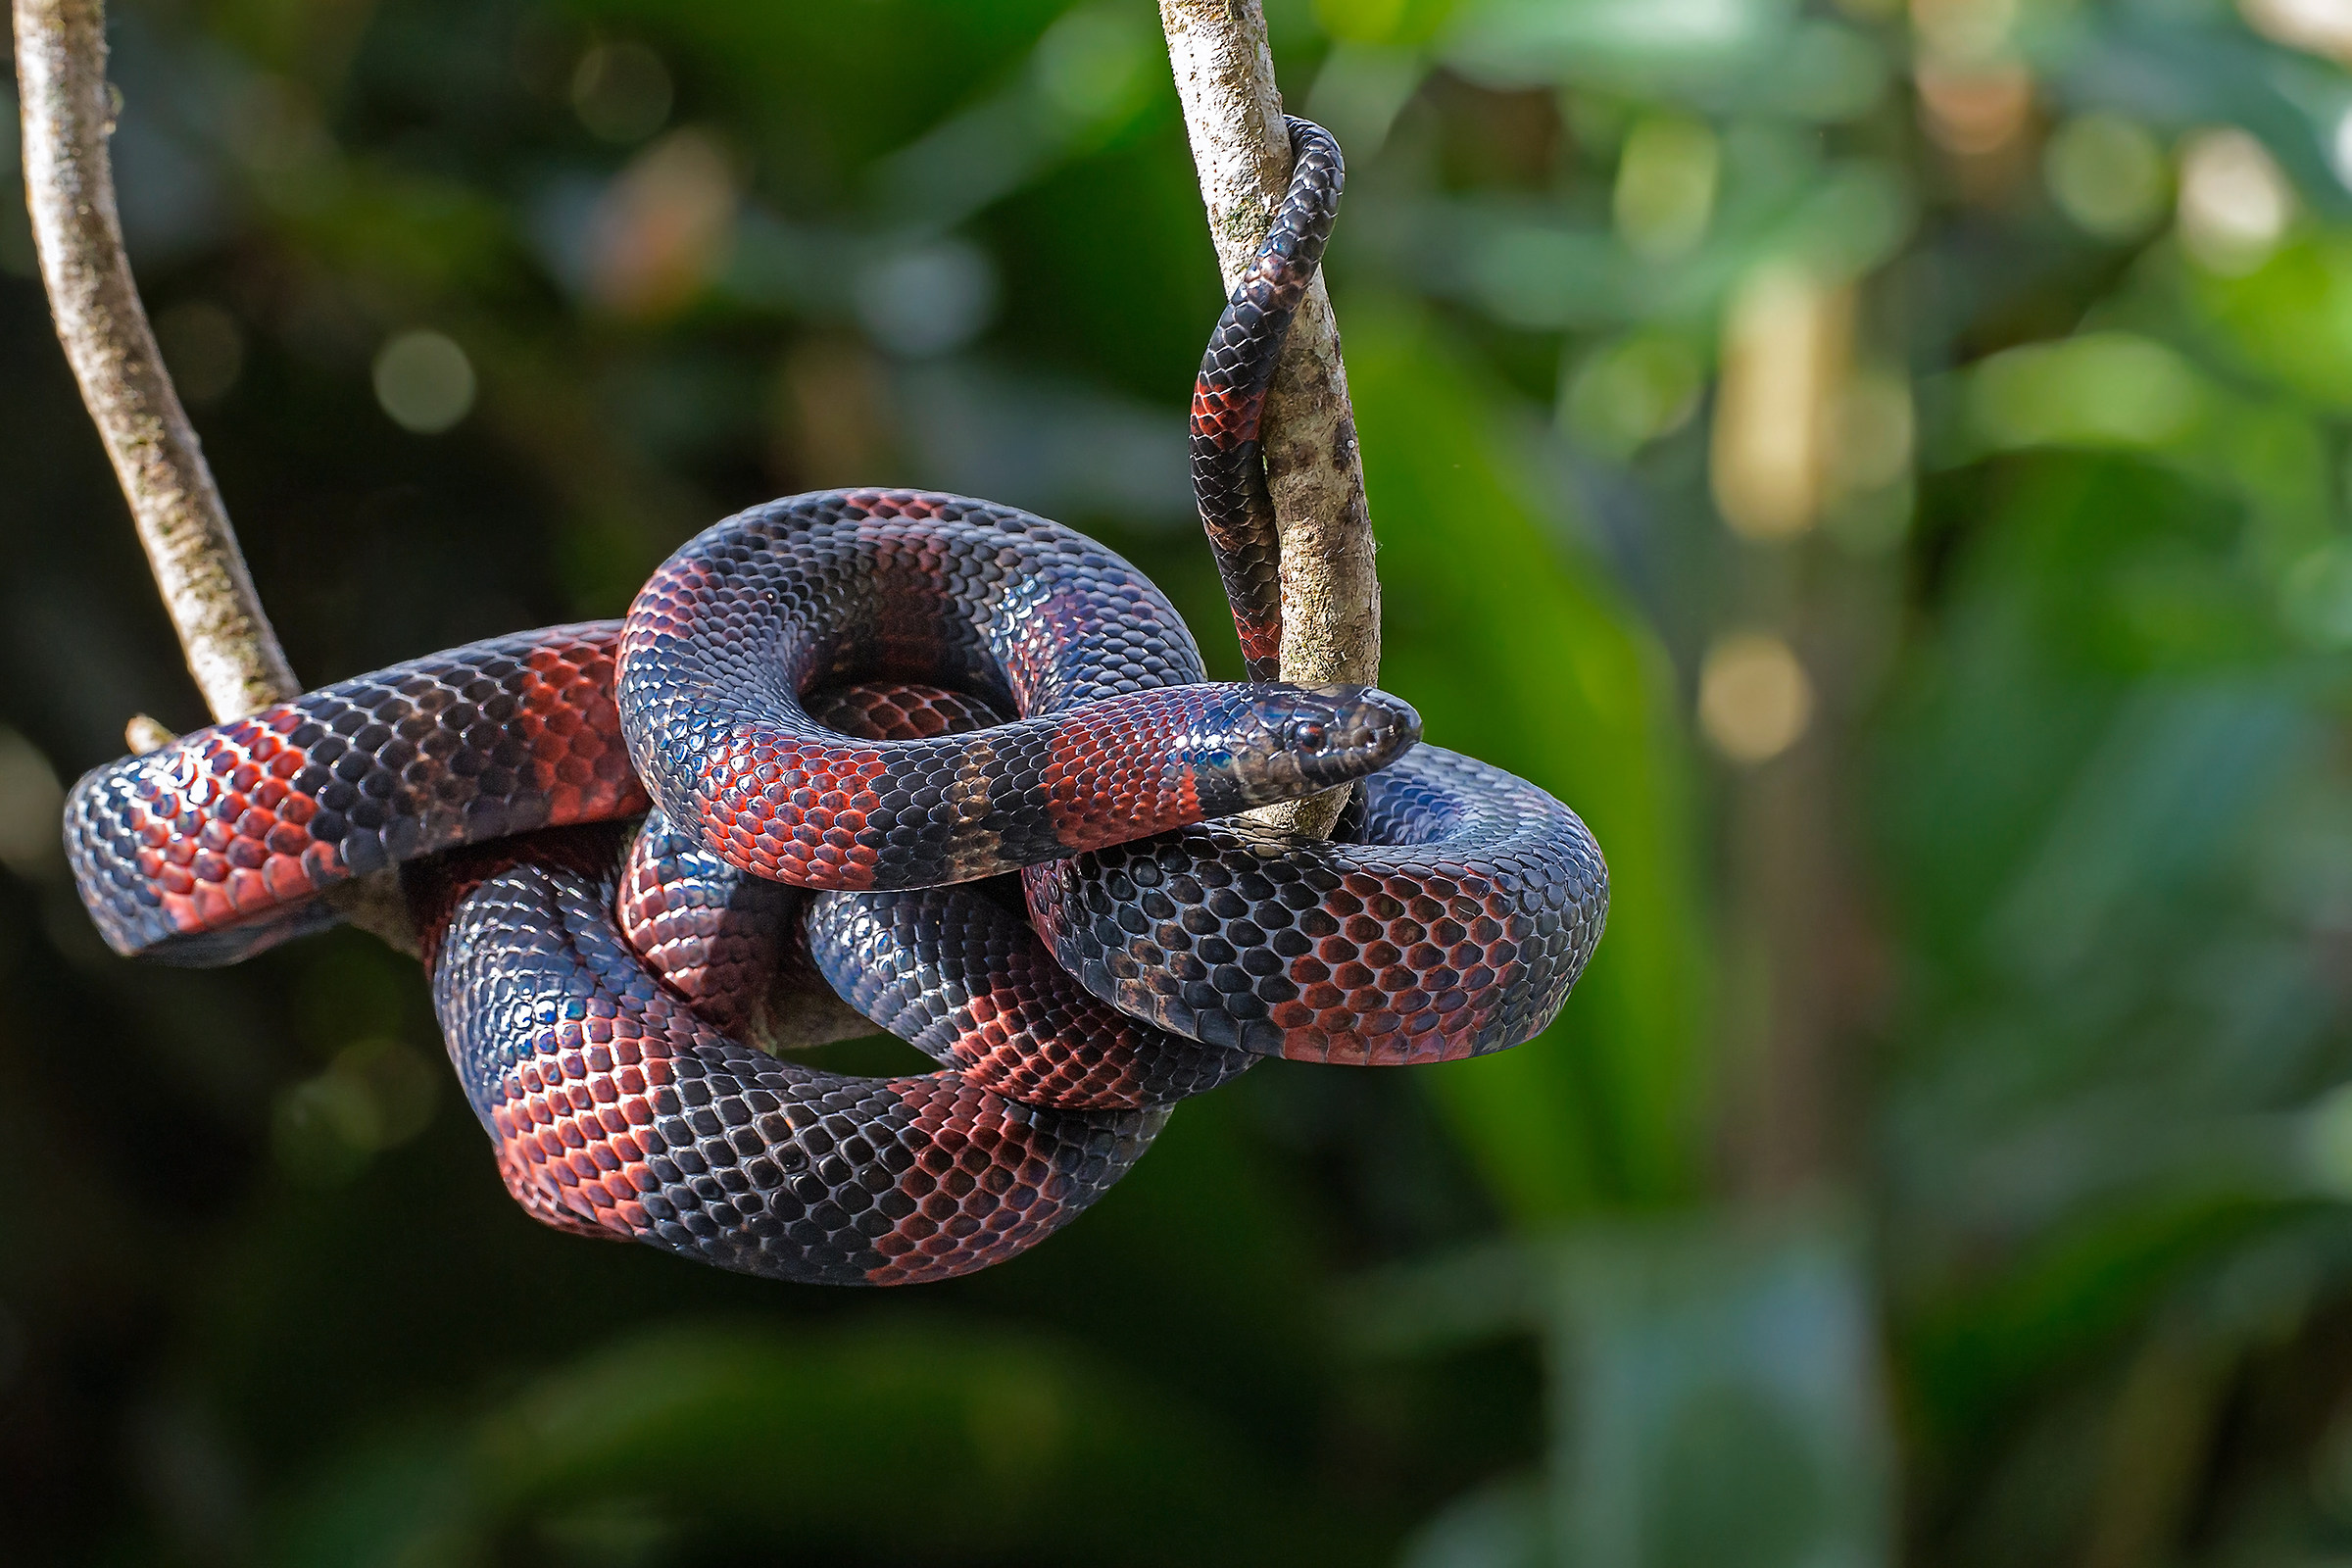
69, 190
191, 548
1330, 592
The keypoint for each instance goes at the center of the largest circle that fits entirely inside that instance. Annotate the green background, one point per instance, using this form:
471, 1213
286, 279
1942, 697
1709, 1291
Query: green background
1945, 1158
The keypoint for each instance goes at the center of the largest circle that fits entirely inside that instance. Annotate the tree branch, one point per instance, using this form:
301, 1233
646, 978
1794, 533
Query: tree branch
70, 190
1330, 592
191, 547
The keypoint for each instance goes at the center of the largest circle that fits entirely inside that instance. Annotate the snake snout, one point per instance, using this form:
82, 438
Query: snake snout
1333, 735
1280, 742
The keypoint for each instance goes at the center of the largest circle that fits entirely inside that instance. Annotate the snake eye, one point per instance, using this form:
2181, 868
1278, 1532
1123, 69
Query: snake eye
1307, 736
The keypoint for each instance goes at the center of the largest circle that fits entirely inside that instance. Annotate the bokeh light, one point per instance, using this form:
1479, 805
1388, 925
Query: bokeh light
424, 381
2324, 27
621, 91
929, 299
1755, 698
2234, 203
31, 801
1784, 364
1974, 111
1875, 426
662, 229
2108, 174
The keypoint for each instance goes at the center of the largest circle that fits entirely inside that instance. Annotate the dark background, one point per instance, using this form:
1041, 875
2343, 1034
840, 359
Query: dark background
1886, 468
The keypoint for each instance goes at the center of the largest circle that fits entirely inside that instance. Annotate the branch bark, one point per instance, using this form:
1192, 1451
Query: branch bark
68, 113
69, 190
1330, 591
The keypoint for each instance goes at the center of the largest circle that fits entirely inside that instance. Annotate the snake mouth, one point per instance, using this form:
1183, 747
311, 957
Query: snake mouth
1280, 742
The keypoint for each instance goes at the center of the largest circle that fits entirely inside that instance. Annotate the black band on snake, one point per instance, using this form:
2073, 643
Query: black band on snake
831, 718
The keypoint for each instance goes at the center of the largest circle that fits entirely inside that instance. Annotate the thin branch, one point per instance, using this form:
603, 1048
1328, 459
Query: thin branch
1330, 592
191, 548
70, 190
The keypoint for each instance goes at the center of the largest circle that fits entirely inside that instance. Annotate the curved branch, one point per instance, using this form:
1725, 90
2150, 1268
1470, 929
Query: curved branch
70, 190
1330, 592
191, 547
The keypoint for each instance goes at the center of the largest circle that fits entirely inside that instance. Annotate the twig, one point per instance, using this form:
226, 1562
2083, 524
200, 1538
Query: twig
1330, 593
191, 548
70, 190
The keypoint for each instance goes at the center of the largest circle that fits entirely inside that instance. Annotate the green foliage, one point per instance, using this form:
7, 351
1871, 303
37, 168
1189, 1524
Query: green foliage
1518, 651
1951, 1129
910, 1441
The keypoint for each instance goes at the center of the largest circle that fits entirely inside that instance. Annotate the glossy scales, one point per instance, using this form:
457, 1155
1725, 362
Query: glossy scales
957, 975
1469, 901
722, 941
1454, 926
730, 943
868, 695
966, 981
614, 1110
1229, 477
215, 845
1114, 735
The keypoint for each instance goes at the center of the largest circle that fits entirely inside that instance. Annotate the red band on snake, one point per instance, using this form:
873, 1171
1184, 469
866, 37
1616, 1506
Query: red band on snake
843, 707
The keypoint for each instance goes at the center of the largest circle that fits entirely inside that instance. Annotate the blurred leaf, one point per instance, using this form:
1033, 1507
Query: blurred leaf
1534, 270
1383, 22
2097, 390
1506, 1523
1524, 41
2080, 1130
2292, 317
935, 1444
1094, 71
1516, 652
2144, 822
1722, 1397
1715, 1397
2077, 1292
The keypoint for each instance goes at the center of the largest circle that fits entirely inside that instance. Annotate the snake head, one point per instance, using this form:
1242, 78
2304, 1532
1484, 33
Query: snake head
1275, 742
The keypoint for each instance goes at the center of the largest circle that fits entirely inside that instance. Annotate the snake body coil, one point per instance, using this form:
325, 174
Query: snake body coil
833, 718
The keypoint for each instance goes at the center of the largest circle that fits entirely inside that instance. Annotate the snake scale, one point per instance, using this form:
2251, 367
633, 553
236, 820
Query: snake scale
958, 763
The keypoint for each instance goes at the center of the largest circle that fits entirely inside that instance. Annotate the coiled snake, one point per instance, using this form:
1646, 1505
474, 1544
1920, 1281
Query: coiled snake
823, 726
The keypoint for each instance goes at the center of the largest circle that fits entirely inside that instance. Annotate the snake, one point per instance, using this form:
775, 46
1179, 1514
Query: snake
954, 763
